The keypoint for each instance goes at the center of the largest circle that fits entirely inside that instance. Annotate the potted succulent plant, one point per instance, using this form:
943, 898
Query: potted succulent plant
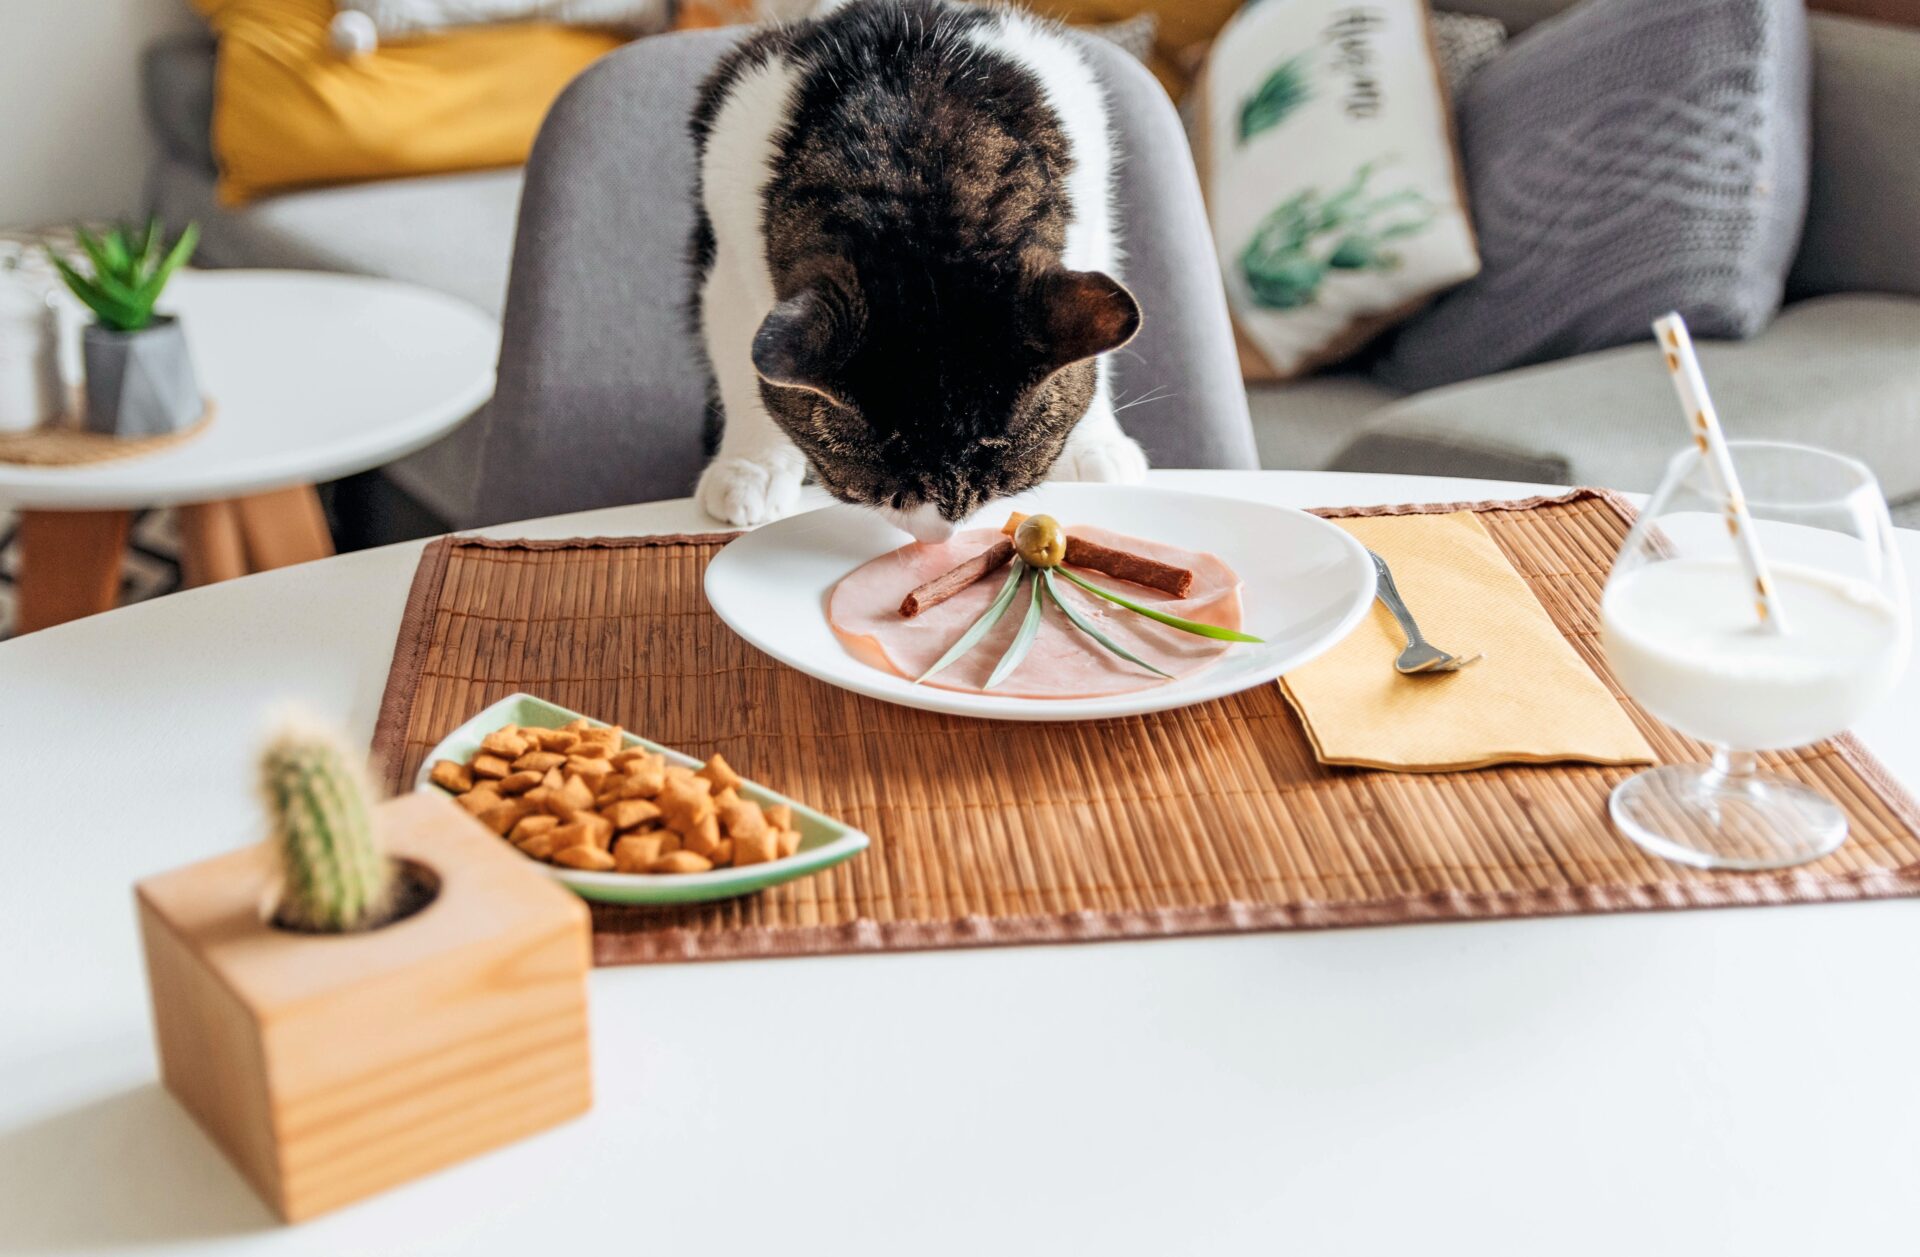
140, 379
372, 993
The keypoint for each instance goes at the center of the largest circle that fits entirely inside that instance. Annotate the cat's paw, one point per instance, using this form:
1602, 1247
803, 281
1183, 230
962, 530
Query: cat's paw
746, 493
1112, 459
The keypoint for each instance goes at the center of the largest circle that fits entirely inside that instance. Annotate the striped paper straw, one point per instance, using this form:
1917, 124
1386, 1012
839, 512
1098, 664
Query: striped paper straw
1684, 365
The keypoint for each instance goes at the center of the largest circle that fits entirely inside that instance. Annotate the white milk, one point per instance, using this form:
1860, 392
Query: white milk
1685, 641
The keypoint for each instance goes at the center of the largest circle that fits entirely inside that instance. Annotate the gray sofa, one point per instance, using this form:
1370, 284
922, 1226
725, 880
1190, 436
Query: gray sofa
1840, 366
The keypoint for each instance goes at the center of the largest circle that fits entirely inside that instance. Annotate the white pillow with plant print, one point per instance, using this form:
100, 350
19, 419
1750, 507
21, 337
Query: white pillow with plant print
1327, 151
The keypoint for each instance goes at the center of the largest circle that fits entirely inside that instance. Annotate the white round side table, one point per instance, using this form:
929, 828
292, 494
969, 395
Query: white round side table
312, 375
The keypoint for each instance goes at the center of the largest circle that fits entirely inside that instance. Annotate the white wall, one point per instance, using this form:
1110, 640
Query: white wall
73, 142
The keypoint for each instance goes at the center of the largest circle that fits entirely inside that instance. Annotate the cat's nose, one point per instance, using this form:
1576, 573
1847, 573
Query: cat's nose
923, 523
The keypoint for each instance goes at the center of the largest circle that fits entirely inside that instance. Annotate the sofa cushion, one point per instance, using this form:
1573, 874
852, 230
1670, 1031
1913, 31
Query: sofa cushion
1183, 28
399, 18
453, 233
1301, 425
176, 81
1838, 372
1862, 233
1337, 209
1626, 158
292, 112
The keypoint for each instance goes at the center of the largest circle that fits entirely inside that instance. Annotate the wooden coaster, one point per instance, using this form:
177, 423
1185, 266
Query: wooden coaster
66, 444
1212, 819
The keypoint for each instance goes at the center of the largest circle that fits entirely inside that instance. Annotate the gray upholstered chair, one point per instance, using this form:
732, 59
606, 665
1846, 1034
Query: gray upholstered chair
600, 400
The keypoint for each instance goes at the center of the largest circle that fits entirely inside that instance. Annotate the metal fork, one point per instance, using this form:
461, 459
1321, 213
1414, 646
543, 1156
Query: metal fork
1420, 655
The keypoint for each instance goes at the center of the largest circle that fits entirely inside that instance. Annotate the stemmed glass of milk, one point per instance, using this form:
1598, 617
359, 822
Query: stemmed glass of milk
1687, 641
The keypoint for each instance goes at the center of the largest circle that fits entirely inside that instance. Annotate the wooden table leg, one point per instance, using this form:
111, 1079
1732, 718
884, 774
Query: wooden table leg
69, 565
211, 546
283, 527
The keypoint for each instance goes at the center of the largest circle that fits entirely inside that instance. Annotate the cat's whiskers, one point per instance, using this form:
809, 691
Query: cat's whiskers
1141, 401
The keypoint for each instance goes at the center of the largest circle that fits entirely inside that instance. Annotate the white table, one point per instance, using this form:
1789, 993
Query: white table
1735, 1081
313, 376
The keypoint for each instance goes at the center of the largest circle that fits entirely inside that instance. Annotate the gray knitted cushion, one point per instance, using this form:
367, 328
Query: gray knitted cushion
1627, 158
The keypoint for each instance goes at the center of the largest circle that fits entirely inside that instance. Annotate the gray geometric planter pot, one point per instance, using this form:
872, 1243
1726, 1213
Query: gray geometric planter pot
139, 383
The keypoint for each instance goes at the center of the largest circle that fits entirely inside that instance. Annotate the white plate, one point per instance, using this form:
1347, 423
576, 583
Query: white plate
1305, 584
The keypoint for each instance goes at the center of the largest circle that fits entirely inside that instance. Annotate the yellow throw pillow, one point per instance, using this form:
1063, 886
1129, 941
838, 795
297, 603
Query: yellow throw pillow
289, 111
1185, 28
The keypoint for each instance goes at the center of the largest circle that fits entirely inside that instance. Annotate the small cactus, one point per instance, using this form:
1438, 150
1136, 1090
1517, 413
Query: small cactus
336, 877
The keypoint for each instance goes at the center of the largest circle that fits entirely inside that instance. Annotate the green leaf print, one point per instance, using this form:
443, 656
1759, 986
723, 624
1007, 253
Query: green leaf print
1285, 90
1309, 235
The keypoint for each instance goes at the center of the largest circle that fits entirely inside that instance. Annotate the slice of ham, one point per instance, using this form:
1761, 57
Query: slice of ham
864, 610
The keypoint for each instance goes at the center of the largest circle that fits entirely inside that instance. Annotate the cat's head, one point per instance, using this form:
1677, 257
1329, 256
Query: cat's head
927, 395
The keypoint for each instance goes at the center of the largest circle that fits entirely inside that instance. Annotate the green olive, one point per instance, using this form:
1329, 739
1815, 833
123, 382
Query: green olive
1040, 541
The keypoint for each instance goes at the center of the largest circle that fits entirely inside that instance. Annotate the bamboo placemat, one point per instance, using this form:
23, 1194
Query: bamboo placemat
1207, 820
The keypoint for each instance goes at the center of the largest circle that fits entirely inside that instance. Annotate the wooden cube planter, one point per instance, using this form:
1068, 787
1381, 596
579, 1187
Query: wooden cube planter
332, 1066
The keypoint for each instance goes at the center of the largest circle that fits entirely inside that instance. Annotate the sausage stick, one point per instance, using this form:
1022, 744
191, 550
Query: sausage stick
1120, 564
947, 584
1127, 566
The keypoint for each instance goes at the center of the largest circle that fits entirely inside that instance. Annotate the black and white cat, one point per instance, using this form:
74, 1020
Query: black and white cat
905, 253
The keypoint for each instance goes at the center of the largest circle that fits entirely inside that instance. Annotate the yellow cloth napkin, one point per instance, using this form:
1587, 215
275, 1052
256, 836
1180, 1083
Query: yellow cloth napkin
1531, 700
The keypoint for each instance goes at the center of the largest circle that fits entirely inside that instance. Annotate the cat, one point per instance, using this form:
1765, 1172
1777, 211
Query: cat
904, 260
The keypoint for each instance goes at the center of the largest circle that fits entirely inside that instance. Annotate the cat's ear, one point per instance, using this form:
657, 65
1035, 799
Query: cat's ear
1084, 314
805, 341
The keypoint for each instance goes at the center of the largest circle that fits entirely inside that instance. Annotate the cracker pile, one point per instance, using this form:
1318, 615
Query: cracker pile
575, 797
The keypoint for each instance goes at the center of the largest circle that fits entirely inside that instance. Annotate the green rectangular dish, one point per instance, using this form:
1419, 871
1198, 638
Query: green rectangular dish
824, 842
